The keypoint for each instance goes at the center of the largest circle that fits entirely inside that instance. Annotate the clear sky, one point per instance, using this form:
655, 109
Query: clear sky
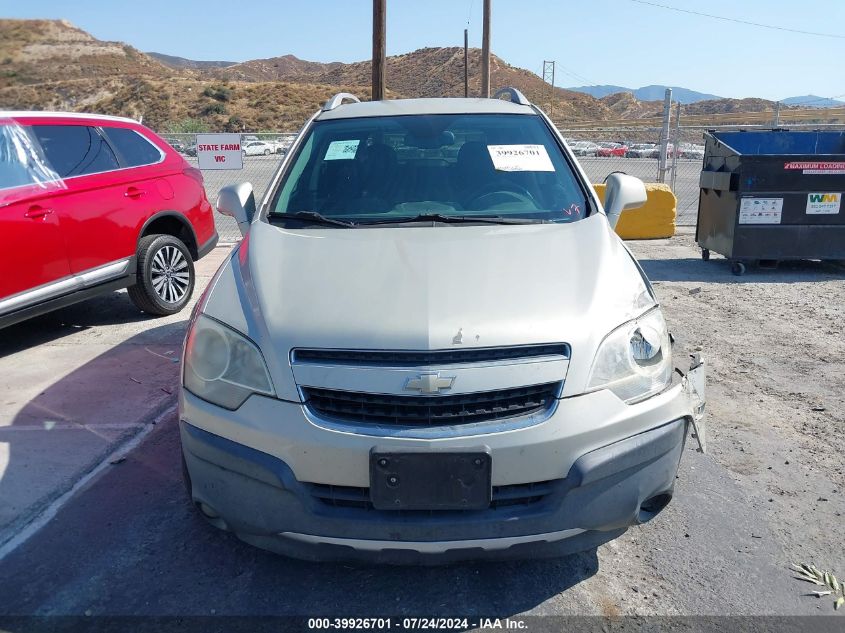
619, 42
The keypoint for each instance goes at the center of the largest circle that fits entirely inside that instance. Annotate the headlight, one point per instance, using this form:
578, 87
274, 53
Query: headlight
635, 360
223, 366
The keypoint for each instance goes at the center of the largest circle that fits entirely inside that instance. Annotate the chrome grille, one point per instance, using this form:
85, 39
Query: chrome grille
416, 358
430, 411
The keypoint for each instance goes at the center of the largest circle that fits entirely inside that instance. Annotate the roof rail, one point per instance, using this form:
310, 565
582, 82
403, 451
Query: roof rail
338, 99
515, 95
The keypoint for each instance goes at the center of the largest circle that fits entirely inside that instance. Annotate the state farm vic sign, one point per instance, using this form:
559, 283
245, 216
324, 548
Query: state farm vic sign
219, 151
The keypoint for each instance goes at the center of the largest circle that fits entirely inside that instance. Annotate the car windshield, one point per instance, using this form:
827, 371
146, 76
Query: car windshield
381, 170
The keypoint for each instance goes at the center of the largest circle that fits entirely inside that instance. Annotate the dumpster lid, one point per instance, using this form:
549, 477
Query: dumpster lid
782, 142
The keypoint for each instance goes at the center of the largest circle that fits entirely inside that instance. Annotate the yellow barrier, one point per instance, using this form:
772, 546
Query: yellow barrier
655, 219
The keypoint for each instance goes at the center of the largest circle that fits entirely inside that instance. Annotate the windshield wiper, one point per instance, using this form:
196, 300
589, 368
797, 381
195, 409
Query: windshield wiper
458, 219
313, 217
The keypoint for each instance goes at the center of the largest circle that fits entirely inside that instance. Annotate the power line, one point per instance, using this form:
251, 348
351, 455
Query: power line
576, 75
738, 21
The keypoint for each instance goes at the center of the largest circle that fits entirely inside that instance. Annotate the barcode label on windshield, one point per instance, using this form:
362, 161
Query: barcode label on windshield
520, 158
342, 150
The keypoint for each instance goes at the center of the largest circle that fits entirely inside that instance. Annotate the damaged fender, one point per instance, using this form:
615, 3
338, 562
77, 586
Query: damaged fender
693, 387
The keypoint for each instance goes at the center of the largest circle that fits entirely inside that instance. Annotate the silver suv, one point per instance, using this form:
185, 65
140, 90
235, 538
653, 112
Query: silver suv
431, 345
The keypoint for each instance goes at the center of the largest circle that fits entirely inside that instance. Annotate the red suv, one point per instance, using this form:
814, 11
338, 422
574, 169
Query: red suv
90, 204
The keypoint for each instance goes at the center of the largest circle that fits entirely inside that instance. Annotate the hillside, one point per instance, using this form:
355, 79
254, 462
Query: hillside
426, 72
725, 106
51, 64
38, 51
813, 101
647, 93
284, 68
180, 63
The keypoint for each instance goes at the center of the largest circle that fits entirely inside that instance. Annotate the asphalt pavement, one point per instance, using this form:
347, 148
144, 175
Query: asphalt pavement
78, 384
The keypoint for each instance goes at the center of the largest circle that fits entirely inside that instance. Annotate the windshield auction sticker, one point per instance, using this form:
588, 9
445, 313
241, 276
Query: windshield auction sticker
520, 158
342, 150
823, 203
219, 151
760, 210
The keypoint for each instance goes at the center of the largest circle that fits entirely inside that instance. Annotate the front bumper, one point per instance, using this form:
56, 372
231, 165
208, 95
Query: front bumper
263, 472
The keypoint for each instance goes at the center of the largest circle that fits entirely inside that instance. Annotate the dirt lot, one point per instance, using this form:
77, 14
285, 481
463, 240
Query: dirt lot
775, 345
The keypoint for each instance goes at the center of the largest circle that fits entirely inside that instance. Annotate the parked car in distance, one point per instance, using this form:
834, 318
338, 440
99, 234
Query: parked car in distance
258, 148
175, 143
640, 150
584, 148
690, 150
90, 204
346, 393
191, 150
608, 149
670, 151
281, 144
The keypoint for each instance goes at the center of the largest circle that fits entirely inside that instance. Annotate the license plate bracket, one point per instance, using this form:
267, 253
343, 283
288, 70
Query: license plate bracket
430, 480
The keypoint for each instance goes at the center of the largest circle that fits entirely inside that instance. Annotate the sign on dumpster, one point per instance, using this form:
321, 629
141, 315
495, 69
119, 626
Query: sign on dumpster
219, 151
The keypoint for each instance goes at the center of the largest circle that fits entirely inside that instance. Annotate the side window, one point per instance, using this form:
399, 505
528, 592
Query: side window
75, 150
134, 148
19, 164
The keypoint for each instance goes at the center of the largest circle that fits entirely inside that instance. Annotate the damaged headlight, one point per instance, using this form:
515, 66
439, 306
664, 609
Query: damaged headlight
222, 365
634, 361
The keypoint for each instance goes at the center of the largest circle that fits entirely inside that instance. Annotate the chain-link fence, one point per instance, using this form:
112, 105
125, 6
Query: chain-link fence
263, 153
635, 151
600, 150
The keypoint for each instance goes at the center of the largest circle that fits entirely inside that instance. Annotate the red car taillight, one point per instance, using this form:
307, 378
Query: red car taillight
194, 173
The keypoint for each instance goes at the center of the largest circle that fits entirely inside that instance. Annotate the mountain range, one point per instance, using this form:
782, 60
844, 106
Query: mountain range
685, 95
813, 101
52, 64
647, 93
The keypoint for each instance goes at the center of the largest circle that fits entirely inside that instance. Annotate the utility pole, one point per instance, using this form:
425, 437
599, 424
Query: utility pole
664, 136
466, 63
379, 47
777, 114
485, 52
549, 78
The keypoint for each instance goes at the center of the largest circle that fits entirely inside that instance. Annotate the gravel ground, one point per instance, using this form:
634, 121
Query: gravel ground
774, 344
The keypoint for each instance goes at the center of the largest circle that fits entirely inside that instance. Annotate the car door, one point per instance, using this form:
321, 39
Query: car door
100, 209
33, 261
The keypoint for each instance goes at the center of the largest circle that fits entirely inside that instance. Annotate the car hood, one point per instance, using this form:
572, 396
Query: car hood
432, 287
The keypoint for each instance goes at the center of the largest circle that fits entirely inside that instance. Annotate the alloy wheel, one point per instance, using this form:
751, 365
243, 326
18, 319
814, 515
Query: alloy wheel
169, 274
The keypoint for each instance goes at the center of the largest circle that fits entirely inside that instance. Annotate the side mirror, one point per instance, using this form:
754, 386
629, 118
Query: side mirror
238, 201
622, 192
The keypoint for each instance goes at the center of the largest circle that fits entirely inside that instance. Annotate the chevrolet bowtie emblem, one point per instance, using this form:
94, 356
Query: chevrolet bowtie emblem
429, 383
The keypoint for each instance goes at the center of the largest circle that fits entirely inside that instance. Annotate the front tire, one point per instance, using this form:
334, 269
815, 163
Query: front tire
165, 275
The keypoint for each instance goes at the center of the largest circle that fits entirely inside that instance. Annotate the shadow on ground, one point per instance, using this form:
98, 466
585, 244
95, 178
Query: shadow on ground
108, 309
719, 271
52, 434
